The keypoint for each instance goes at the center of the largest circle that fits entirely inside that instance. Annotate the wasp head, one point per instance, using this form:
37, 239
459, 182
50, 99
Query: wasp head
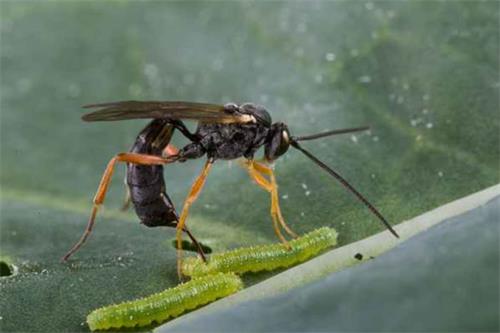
278, 141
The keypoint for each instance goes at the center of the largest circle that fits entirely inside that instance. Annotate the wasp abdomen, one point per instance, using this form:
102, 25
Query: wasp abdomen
156, 214
147, 191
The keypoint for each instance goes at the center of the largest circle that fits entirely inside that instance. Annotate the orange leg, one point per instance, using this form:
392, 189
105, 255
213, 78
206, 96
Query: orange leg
191, 198
128, 200
265, 184
186, 230
258, 171
275, 203
103, 187
170, 150
274, 195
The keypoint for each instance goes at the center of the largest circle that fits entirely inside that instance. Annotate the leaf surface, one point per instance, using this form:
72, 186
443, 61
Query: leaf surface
423, 75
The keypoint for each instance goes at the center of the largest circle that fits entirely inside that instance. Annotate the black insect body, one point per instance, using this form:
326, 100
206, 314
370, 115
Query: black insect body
145, 182
231, 141
224, 132
146, 185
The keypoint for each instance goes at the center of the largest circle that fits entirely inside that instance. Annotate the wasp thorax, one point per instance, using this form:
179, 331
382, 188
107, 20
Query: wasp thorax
258, 112
278, 141
231, 107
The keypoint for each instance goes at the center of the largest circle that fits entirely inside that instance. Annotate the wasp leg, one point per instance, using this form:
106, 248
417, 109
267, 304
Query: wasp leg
267, 185
127, 200
191, 198
170, 150
196, 243
179, 125
186, 230
274, 195
103, 187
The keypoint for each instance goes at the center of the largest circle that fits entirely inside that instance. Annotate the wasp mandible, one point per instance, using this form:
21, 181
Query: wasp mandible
224, 132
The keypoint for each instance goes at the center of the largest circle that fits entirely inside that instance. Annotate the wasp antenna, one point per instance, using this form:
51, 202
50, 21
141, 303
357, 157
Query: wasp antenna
330, 133
346, 185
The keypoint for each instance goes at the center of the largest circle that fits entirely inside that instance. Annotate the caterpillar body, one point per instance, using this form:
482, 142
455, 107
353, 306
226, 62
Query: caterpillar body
168, 303
263, 257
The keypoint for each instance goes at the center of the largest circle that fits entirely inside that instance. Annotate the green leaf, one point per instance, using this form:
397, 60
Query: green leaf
424, 75
443, 280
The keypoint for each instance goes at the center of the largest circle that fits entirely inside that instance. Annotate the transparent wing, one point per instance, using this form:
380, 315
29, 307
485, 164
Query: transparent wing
123, 110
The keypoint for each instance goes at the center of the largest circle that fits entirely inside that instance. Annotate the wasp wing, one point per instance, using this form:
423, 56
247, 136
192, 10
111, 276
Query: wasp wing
207, 113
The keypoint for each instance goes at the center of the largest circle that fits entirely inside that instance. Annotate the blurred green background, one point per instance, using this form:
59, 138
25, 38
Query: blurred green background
424, 75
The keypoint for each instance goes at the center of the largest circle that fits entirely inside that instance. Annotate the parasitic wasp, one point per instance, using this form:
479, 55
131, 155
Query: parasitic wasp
224, 132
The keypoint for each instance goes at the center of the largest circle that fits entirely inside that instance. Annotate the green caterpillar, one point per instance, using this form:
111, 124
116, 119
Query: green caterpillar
169, 303
263, 257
